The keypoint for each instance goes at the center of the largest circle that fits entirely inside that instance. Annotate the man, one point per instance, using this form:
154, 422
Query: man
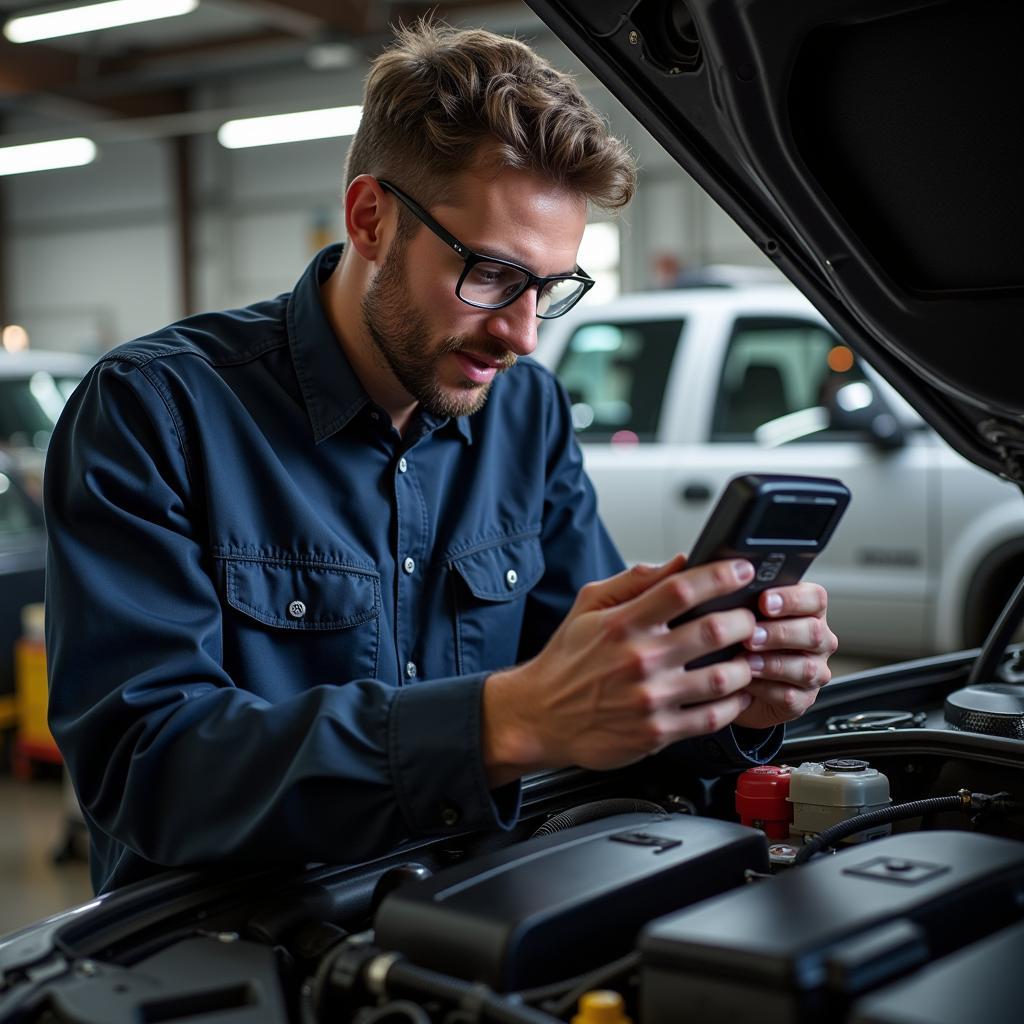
326, 573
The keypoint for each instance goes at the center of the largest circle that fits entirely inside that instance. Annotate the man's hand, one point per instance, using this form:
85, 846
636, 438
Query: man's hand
611, 687
788, 656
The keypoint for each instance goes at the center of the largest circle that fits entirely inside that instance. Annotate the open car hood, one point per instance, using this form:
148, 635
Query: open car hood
873, 150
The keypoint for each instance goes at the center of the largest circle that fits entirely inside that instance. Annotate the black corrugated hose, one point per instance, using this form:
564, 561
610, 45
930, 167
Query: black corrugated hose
595, 810
963, 801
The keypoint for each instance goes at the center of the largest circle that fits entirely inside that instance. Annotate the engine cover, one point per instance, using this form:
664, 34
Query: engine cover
806, 944
555, 906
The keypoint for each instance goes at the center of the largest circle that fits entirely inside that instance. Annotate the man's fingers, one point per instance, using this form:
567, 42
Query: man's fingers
676, 688
626, 585
789, 702
809, 633
712, 632
799, 599
807, 672
683, 591
698, 719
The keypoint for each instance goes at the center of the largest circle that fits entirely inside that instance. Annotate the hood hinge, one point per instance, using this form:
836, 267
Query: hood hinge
1008, 441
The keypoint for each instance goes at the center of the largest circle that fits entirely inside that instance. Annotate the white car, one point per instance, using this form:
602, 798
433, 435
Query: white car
674, 392
34, 385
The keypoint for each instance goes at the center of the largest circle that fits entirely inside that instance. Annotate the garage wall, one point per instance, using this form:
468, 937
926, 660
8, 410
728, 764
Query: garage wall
91, 253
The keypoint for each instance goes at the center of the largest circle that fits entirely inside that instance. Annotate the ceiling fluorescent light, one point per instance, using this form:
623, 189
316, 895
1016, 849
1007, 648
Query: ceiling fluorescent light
32, 27
46, 156
299, 127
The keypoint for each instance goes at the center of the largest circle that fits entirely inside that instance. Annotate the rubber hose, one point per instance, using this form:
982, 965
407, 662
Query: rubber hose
596, 810
859, 822
410, 1011
409, 981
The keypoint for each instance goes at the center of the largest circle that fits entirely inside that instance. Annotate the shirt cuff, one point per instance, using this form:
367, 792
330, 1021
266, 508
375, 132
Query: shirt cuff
437, 761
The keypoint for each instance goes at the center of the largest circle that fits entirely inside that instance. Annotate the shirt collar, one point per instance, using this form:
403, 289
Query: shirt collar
330, 388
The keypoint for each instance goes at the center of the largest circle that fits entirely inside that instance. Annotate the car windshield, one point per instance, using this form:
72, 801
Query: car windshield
30, 405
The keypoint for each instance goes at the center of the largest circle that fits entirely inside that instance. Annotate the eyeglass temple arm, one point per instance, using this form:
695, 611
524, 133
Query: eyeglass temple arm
447, 237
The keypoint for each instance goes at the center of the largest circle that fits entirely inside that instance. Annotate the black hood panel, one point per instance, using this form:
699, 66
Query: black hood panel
874, 151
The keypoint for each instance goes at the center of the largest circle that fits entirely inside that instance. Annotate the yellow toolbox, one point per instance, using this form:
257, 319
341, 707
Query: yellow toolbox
34, 742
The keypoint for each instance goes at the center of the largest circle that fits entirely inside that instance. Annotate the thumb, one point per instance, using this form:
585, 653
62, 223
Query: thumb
629, 583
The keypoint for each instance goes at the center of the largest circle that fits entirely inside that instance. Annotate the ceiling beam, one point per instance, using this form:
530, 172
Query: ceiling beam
34, 68
349, 16
141, 60
50, 81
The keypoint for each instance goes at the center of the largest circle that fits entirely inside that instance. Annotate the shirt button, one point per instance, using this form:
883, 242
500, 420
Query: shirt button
402, 465
409, 566
374, 415
511, 578
410, 669
296, 609
450, 815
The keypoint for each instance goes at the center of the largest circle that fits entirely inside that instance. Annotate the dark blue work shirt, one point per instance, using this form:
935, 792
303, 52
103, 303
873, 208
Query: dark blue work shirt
270, 616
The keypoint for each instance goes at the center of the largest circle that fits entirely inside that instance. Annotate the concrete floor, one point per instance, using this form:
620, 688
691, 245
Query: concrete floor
32, 827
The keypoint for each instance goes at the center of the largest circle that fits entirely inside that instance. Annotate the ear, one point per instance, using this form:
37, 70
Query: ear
366, 220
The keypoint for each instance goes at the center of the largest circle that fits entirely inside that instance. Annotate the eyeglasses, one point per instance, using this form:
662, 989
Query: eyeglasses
491, 283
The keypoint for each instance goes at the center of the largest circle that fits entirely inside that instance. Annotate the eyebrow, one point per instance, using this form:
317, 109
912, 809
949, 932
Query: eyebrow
509, 258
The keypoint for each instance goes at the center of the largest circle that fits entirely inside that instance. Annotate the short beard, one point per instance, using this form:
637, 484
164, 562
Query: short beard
400, 332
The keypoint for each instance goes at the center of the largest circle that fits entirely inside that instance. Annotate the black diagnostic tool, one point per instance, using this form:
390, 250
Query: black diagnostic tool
779, 524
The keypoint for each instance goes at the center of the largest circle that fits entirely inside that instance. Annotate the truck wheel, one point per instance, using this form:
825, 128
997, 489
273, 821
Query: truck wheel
993, 583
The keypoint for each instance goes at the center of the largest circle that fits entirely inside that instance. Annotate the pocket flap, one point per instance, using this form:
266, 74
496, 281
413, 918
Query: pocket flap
302, 595
502, 571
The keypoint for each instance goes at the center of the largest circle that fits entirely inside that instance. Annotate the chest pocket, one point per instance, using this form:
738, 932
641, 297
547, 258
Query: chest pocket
314, 622
491, 584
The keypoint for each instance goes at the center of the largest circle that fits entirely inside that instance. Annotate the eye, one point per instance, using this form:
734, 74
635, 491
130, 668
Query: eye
495, 274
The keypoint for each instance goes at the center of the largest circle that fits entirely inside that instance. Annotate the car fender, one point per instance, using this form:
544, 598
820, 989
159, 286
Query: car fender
1000, 526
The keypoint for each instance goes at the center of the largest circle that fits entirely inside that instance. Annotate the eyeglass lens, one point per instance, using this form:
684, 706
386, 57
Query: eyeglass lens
492, 284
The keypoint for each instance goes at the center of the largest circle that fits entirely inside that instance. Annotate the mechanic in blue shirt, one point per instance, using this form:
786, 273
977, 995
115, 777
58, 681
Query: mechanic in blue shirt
326, 573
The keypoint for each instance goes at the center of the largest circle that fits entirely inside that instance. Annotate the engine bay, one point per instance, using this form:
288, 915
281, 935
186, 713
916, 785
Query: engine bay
874, 874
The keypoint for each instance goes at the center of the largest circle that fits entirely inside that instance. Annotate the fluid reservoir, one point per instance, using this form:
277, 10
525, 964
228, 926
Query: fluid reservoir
827, 793
761, 800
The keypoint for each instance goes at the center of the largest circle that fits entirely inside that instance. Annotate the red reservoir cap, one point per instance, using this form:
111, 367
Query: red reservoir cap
761, 802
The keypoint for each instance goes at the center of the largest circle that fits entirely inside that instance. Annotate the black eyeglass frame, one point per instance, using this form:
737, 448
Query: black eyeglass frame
472, 258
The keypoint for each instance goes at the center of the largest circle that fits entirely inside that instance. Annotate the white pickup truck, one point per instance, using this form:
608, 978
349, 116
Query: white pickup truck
674, 392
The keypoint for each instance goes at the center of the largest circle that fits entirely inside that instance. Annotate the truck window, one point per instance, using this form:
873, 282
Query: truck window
616, 376
780, 367
15, 514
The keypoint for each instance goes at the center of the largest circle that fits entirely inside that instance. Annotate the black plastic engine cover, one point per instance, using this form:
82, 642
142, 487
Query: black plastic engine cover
552, 907
199, 979
976, 984
801, 947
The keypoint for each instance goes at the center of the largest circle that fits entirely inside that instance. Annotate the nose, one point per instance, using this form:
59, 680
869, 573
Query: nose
515, 325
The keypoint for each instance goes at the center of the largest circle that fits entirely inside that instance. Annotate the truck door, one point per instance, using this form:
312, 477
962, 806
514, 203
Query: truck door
617, 374
767, 415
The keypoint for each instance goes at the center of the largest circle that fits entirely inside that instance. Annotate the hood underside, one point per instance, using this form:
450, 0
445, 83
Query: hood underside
874, 151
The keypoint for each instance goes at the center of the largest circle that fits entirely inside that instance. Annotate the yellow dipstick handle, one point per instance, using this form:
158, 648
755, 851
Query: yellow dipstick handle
601, 1007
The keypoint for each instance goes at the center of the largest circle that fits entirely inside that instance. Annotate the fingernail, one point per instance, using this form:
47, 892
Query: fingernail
744, 571
746, 700
759, 637
773, 603
756, 662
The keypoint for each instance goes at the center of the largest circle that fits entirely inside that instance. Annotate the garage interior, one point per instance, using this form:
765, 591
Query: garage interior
161, 219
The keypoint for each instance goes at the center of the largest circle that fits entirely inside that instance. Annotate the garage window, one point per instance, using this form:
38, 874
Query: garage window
29, 407
16, 515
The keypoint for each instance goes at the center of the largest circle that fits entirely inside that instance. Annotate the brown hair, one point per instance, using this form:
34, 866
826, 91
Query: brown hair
437, 95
